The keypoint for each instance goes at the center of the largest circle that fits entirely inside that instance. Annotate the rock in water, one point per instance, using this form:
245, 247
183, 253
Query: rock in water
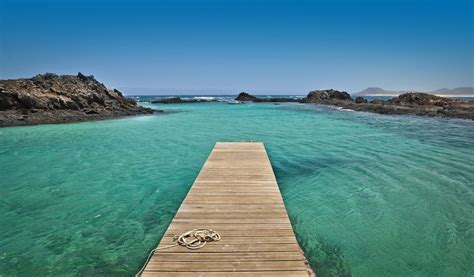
246, 97
377, 102
409, 103
418, 98
172, 100
360, 100
51, 98
329, 96
243, 96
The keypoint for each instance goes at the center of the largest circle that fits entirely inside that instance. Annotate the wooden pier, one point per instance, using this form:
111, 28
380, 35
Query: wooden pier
236, 195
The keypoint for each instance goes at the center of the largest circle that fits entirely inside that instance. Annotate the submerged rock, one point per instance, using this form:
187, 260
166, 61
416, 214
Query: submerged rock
51, 98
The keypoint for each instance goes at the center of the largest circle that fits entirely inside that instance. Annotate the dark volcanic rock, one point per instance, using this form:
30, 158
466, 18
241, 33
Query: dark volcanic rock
418, 98
360, 100
329, 96
409, 103
243, 96
51, 98
418, 104
377, 102
178, 100
172, 100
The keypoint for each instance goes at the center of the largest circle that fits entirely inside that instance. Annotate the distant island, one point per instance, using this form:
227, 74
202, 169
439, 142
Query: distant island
456, 92
51, 98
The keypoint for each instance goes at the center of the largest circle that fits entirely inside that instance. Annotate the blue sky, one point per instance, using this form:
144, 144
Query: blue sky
234, 45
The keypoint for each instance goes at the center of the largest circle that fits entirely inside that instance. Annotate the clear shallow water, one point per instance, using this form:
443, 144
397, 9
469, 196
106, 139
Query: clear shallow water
368, 195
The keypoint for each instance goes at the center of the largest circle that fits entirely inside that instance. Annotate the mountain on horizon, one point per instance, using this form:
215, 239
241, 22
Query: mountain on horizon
376, 91
455, 91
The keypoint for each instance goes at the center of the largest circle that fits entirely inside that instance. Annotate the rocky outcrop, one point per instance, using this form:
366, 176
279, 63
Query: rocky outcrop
329, 96
411, 103
245, 97
416, 104
51, 98
360, 100
418, 98
377, 102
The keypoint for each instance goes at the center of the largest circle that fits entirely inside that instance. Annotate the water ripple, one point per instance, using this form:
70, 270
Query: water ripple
368, 195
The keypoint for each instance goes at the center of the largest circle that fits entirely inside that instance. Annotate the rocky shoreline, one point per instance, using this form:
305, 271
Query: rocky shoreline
412, 103
51, 98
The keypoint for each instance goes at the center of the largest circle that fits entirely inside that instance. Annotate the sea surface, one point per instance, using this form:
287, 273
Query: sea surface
367, 194
227, 98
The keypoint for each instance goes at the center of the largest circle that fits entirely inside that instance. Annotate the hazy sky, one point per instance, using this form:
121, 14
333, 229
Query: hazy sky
282, 46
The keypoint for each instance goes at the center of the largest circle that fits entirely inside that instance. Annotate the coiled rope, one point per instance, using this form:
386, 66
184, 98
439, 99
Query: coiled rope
193, 240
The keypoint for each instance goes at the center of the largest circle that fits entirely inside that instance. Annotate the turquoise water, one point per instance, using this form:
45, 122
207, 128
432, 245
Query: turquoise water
368, 195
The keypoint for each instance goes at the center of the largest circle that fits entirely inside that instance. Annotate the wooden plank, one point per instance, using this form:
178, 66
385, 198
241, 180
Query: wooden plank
224, 226
240, 247
227, 273
240, 240
241, 256
226, 266
234, 189
240, 233
233, 207
211, 219
223, 215
236, 195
